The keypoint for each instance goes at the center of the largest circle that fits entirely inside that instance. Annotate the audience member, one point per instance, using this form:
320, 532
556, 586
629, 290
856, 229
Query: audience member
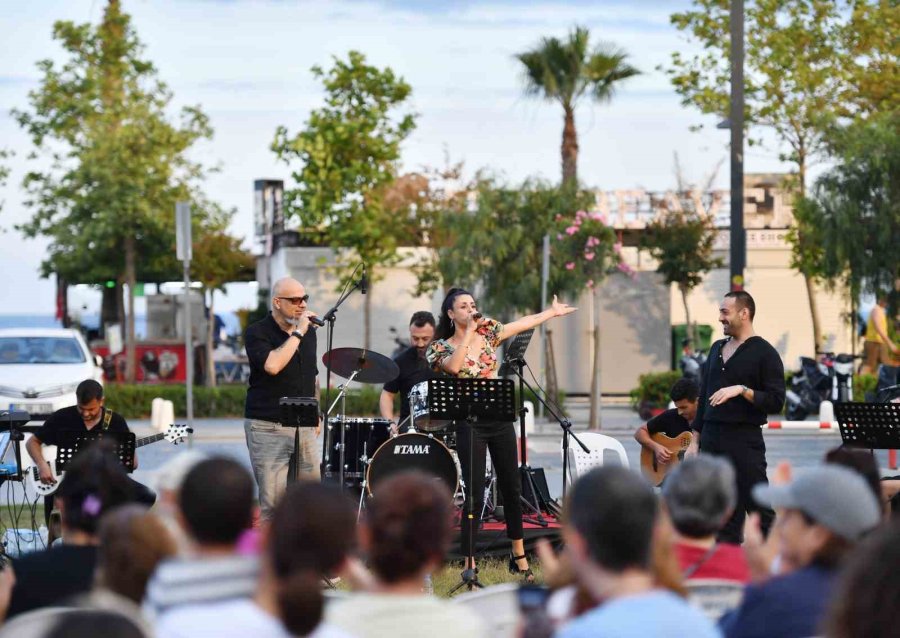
611, 516
699, 496
133, 541
826, 510
312, 530
405, 534
167, 483
215, 506
863, 463
95, 482
867, 600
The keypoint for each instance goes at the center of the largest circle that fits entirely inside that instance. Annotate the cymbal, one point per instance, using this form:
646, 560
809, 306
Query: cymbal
373, 367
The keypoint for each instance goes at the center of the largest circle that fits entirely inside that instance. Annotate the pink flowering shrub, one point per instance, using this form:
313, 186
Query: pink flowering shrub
588, 247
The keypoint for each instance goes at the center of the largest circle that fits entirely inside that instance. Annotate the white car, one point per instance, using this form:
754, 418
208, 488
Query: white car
41, 367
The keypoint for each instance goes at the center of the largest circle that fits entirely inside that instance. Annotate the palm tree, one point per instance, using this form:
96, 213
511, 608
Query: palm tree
565, 72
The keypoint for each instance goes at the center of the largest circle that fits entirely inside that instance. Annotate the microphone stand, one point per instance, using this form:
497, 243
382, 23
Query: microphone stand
329, 319
566, 426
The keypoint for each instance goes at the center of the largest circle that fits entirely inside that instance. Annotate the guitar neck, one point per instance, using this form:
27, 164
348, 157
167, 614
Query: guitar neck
153, 438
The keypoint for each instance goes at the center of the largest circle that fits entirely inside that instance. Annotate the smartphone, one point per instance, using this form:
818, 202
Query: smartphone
532, 598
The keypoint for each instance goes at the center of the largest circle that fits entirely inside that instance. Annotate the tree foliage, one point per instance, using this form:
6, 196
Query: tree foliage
4, 171
567, 71
118, 163
347, 155
853, 212
491, 241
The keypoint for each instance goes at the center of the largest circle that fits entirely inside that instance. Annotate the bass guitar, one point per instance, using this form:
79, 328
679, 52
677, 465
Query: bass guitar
175, 435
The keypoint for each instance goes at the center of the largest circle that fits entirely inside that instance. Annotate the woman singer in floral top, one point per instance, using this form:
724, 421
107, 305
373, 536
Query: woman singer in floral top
465, 347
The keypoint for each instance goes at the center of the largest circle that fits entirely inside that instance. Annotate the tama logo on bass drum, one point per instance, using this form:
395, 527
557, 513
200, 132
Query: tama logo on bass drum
412, 449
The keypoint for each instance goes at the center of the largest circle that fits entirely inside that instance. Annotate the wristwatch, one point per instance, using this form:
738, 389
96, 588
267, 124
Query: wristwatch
298, 334
744, 389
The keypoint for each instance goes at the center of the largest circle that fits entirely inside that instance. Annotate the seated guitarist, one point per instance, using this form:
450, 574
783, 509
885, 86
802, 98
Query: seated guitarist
84, 417
671, 422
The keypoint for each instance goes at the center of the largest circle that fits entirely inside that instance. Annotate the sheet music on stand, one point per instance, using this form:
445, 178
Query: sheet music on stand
458, 399
515, 351
69, 443
871, 425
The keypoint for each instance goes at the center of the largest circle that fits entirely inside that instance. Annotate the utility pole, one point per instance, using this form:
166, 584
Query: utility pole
183, 251
738, 237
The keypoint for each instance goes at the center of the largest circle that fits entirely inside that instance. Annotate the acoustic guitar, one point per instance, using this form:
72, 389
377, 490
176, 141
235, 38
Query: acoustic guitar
655, 471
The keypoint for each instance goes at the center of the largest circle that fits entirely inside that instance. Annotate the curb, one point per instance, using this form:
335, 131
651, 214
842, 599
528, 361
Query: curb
801, 425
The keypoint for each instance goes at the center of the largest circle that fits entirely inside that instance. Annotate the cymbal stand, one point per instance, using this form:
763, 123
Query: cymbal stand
342, 395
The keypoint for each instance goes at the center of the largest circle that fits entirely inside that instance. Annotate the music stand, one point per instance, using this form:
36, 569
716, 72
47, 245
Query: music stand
469, 400
298, 412
869, 425
70, 442
513, 363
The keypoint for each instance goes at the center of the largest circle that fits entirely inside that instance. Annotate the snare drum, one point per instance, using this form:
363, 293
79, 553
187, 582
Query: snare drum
413, 452
422, 420
362, 436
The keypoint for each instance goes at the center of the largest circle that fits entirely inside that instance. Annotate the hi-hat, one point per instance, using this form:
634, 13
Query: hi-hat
372, 367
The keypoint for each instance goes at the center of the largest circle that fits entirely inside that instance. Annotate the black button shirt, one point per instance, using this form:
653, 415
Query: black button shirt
755, 364
413, 370
296, 379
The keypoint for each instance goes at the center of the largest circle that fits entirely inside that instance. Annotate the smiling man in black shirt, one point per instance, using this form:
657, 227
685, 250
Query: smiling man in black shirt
413, 369
282, 353
743, 381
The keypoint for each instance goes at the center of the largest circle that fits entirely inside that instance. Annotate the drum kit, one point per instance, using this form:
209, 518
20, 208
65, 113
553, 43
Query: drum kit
364, 446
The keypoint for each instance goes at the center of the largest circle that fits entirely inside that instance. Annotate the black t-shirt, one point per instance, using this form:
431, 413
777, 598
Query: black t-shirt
296, 379
69, 420
49, 577
669, 423
413, 370
755, 364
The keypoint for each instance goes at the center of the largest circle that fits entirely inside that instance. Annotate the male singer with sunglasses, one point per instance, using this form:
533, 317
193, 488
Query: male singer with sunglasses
282, 353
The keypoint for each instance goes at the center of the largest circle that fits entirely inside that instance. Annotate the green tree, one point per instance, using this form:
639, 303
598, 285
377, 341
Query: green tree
117, 164
798, 77
853, 213
681, 240
587, 251
4, 171
348, 154
567, 71
218, 259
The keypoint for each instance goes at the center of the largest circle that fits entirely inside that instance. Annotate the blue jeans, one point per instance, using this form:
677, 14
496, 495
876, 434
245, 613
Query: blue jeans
271, 447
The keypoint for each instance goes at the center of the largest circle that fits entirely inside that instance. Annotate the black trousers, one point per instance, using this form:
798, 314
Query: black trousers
500, 440
744, 446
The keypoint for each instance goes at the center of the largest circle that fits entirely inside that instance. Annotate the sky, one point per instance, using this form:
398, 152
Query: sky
247, 64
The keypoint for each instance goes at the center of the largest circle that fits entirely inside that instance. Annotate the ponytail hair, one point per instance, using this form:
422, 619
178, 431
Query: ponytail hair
313, 531
445, 326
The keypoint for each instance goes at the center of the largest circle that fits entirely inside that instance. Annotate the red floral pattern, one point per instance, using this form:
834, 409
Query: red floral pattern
477, 365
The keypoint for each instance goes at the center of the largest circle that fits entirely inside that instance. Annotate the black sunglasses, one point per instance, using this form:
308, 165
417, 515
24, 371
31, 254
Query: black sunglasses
295, 300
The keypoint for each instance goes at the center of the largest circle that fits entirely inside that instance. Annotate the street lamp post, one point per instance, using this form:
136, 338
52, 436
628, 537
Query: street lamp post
738, 237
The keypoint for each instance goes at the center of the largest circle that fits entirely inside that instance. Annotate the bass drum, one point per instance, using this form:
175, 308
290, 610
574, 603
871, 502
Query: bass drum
413, 452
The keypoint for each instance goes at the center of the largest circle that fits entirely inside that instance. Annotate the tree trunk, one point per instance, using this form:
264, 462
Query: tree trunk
131, 281
367, 318
810, 284
210, 333
691, 331
594, 418
569, 148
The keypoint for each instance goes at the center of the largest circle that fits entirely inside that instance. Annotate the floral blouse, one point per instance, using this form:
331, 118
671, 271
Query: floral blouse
482, 366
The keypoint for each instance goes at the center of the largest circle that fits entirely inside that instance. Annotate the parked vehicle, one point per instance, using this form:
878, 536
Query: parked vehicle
811, 385
40, 368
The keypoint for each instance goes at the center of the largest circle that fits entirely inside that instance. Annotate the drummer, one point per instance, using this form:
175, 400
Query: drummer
413, 369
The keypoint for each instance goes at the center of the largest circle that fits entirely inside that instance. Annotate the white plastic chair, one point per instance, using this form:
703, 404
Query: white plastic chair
714, 596
497, 605
598, 444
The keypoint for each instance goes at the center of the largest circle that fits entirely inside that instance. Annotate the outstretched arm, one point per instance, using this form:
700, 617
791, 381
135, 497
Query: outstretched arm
557, 309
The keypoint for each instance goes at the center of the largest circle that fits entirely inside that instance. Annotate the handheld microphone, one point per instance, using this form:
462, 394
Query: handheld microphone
477, 316
364, 281
316, 321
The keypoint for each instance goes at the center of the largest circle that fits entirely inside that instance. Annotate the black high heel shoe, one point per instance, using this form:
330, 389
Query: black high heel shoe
527, 574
